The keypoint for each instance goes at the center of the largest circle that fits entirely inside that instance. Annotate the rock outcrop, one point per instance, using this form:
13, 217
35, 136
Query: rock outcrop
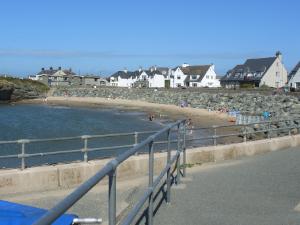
14, 89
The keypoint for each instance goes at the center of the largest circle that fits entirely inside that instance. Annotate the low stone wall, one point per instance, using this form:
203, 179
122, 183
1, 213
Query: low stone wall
71, 175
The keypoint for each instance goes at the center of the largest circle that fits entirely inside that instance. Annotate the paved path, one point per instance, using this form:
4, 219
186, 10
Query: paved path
262, 190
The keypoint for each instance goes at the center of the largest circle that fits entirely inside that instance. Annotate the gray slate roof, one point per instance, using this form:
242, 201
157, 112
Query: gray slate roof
255, 66
134, 74
50, 72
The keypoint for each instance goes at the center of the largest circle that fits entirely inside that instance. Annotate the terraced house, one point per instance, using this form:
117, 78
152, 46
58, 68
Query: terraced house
154, 78
194, 76
294, 77
58, 77
269, 71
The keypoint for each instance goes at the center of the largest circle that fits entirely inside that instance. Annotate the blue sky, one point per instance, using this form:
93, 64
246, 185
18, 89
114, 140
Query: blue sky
101, 37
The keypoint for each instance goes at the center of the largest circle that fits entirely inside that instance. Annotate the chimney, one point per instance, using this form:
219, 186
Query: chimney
212, 66
59, 68
125, 70
140, 69
152, 69
279, 55
155, 67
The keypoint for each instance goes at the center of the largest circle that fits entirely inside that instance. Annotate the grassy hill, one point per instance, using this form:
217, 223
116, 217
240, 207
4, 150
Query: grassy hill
14, 89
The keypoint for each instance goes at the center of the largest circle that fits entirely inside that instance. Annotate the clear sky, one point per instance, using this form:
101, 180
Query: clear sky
94, 36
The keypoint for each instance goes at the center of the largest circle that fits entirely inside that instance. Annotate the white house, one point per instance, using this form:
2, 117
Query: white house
153, 78
124, 78
156, 77
256, 73
194, 76
294, 77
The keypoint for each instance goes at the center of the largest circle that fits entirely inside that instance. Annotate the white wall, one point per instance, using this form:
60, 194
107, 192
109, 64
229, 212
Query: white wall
271, 79
178, 80
120, 82
157, 81
210, 79
295, 79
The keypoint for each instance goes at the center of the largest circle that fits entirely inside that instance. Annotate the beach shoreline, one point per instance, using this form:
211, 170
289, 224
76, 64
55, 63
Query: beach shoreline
199, 117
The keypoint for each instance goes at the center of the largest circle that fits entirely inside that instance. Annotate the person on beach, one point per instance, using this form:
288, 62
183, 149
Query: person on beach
151, 117
190, 125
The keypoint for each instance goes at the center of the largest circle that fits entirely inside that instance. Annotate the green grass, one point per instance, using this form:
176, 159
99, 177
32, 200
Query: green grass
24, 83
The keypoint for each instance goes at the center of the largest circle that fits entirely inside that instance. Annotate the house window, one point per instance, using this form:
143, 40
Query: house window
207, 77
178, 77
194, 77
194, 84
95, 79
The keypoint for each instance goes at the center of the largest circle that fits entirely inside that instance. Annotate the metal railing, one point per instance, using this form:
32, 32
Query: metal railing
215, 134
110, 170
265, 127
84, 150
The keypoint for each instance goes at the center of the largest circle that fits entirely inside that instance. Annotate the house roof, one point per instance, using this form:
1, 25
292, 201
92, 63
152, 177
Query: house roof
254, 66
91, 76
294, 71
195, 70
126, 75
50, 72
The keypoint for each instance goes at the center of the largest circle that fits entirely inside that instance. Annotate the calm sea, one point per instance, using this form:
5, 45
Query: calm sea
45, 121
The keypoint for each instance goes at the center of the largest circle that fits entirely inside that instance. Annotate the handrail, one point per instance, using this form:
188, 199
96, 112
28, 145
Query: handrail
110, 170
85, 150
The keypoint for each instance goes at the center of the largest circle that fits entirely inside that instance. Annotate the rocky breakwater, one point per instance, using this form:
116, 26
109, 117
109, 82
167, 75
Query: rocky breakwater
14, 89
251, 103
281, 106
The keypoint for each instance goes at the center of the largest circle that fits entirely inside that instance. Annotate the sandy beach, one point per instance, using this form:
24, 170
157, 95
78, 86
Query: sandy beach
200, 117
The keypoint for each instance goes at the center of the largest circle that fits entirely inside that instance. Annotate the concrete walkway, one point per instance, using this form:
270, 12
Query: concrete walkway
261, 190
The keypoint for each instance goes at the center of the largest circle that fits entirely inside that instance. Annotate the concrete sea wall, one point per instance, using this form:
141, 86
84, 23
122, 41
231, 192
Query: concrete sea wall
71, 175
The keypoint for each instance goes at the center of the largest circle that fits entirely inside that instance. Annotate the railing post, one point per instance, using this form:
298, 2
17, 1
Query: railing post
136, 139
23, 165
169, 170
215, 135
150, 185
268, 130
23, 153
184, 150
178, 158
112, 198
85, 147
245, 133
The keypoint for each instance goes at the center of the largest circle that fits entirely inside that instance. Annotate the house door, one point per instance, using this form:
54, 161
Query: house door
167, 83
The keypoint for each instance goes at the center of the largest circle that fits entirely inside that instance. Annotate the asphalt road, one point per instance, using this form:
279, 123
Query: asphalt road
261, 190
